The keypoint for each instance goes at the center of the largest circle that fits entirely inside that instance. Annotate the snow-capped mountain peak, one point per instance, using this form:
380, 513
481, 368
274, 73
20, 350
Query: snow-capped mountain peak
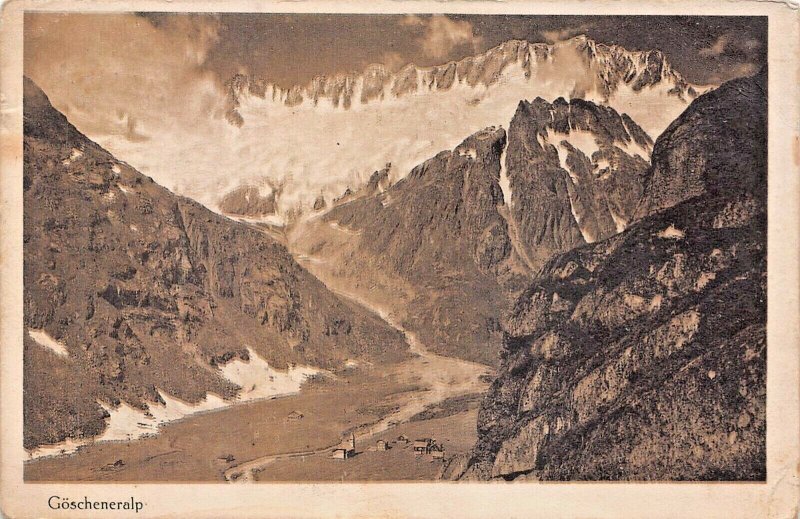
610, 65
318, 139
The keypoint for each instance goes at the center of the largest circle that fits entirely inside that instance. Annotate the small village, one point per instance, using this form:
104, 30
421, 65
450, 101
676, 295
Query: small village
420, 447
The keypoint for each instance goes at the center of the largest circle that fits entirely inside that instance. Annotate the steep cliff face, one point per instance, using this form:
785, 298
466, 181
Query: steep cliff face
139, 291
644, 356
702, 150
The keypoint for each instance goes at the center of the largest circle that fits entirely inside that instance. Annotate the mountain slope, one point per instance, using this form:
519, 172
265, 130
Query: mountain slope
137, 291
644, 356
428, 248
449, 245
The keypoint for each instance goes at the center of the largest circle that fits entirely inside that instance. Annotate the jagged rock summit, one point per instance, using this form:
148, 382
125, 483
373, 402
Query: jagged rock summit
464, 231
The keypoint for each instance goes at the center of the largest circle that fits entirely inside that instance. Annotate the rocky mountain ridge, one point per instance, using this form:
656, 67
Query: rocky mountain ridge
612, 67
643, 356
306, 140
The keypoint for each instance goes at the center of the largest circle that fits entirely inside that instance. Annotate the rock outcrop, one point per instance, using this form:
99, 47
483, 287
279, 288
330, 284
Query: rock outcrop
248, 201
149, 292
643, 356
378, 182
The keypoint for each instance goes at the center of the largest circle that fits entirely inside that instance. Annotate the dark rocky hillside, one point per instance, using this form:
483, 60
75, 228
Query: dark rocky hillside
644, 356
148, 291
574, 174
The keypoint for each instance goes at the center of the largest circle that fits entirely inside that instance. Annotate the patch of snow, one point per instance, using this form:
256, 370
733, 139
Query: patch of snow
68, 446
43, 338
258, 380
587, 236
505, 182
336, 226
176, 409
634, 148
619, 223
671, 233
255, 377
134, 228
123, 189
602, 164
116, 169
562, 156
582, 140
73, 156
276, 220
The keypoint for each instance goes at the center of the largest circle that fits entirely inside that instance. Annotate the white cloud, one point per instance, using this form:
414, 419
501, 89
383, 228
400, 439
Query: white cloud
442, 35
566, 33
716, 48
118, 76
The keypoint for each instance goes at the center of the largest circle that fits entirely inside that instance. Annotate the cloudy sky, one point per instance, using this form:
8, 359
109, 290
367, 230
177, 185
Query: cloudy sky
106, 71
291, 49
136, 83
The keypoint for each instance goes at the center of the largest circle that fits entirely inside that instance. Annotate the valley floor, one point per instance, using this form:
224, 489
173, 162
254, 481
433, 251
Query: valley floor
427, 396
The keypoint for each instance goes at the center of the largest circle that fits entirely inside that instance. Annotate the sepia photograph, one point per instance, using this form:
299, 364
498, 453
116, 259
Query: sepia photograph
400, 247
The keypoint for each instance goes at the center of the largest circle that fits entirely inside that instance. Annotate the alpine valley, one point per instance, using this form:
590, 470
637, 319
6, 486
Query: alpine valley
550, 258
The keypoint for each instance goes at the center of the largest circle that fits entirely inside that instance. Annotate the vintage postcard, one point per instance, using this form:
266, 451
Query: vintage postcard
400, 259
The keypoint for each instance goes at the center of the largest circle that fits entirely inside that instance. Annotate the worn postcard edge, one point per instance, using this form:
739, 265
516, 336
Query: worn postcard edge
778, 497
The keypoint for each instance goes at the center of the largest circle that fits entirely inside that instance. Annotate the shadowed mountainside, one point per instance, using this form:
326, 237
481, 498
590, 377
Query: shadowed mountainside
148, 292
